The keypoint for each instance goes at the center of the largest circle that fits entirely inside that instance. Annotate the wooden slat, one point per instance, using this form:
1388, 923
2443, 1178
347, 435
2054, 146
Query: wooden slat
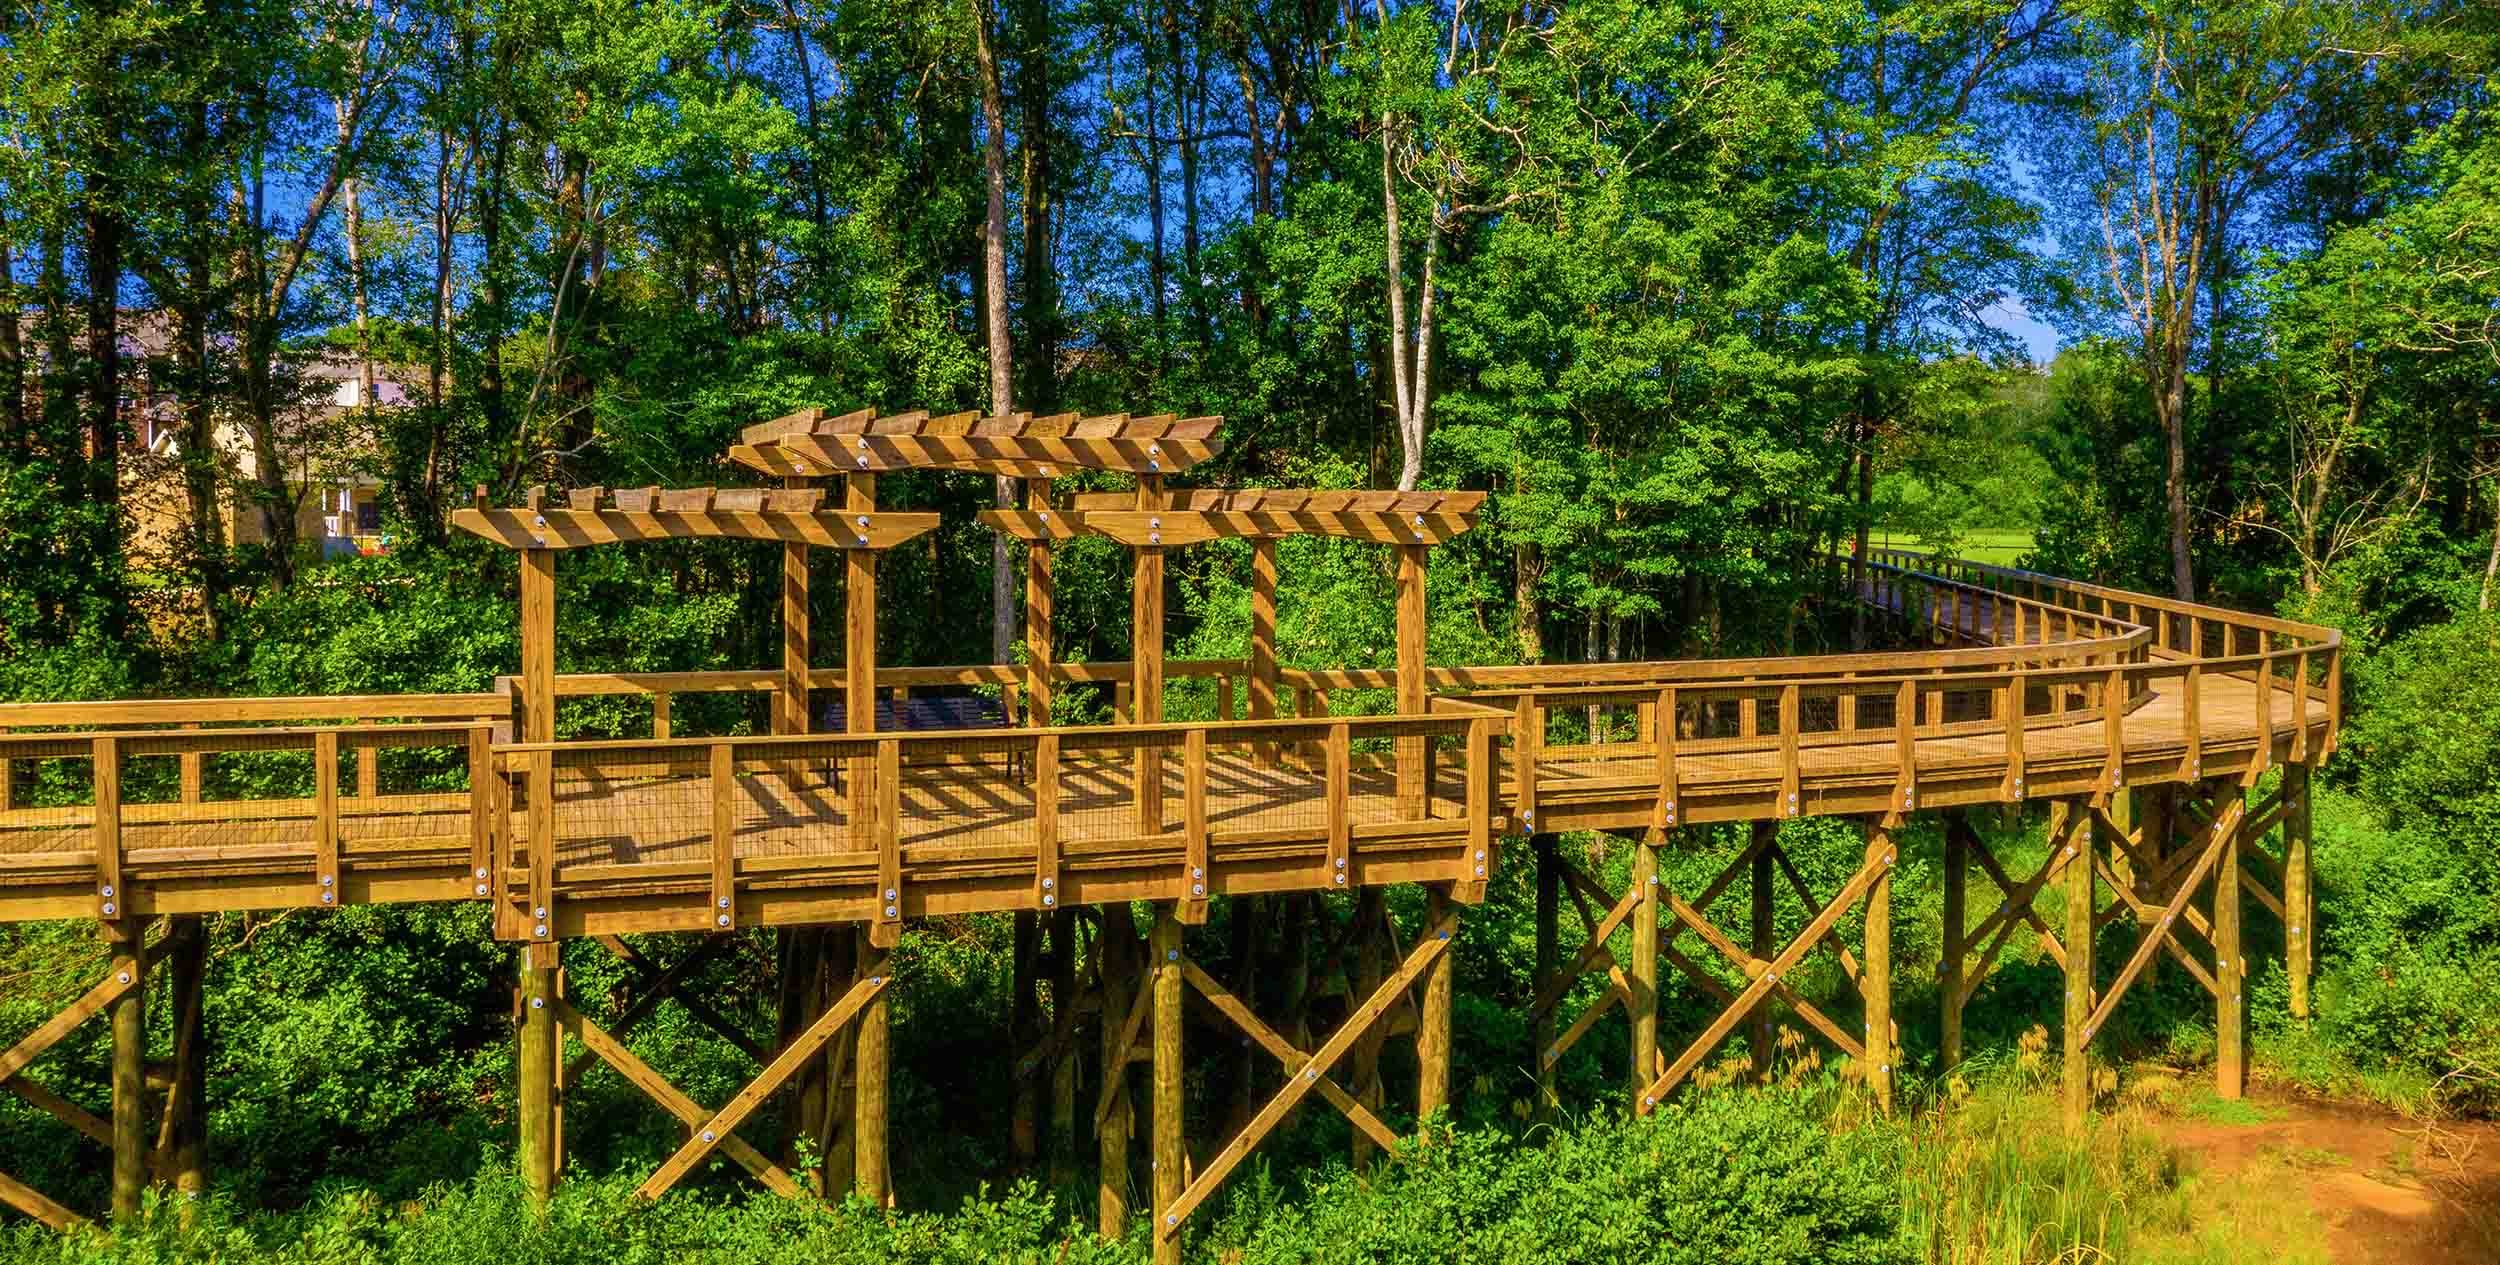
1266, 1038
724, 835
674, 1101
325, 890
99, 995
1192, 902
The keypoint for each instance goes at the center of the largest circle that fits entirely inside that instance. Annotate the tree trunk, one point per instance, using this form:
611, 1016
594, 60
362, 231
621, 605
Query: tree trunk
2491, 566
994, 304
13, 437
1040, 392
105, 231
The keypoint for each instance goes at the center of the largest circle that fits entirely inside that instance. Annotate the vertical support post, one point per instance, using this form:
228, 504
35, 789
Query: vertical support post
1363, 1064
185, 1132
1263, 638
1063, 960
537, 1071
2230, 967
1146, 694
2299, 945
1411, 752
1957, 839
1432, 1032
1039, 621
1171, 1162
870, 1067
859, 661
1119, 946
538, 646
1875, 975
1024, 1131
128, 1012
1548, 964
790, 702
2076, 1074
1643, 1003
1765, 943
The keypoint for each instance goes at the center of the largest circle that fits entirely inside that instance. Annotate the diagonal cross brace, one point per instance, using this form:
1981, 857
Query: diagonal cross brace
2218, 834
766, 1083
1428, 947
642, 1076
1242, 1017
1879, 857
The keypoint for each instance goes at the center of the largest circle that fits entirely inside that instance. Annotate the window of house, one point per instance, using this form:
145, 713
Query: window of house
369, 516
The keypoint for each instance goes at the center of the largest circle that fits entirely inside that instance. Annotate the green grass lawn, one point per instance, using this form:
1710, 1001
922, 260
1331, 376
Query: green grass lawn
2000, 546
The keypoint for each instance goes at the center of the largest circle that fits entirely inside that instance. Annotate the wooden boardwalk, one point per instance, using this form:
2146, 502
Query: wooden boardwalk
2022, 688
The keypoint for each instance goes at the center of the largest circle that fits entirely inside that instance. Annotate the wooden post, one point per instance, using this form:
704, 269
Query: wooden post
1643, 1002
1114, 1123
1765, 943
1363, 1064
1063, 971
870, 1067
1432, 1033
859, 664
1263, 638
2076, 1074
1411, 752
1957, 838
1039, 620
538, 650
185, 1132
1171, 1147
128, 1014
1146, 692
2299, 945
1024, 1133
1875, 974
537, 1071
2230, 968
1548, 964
790, 715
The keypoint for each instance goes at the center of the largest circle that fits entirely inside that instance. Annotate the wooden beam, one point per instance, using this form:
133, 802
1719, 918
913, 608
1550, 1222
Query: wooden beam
581, 529
1008, 456
1413, 753
671, 1099
1170, 528
1171, 1143
1267, 1038
720, 1124
1875, 982
538, 1071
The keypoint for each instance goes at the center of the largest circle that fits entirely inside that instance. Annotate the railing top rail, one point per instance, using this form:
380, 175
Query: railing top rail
1172, 731
2147, 601
249, 710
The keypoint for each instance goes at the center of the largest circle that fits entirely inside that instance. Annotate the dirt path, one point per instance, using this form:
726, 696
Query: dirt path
2388, 1191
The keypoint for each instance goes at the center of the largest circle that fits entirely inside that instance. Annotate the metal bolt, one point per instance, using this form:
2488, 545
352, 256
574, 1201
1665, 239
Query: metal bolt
1154, 522
889, 912
108, 909
1049, 900
863, 520
1479, 871
538, 1003
1340, 863
124, 977
723, 902
108, 891
876, 981
538, 520
863, 445
1171, 955
1197, 889
1049, 883
889, 893
481, 871
863, 461
329, 898
722, 920
707, 1135
542, 930
1196, 872
327, 880
1340, 882
1479, 854
481, 889
537, 539
1154, 465
542, 911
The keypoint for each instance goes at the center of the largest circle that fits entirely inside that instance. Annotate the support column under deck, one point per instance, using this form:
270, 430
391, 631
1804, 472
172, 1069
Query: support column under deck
540, 1141
2075, 1075
1171, 1146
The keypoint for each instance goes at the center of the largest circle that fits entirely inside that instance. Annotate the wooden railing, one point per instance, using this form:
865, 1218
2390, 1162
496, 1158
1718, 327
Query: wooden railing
1054, 813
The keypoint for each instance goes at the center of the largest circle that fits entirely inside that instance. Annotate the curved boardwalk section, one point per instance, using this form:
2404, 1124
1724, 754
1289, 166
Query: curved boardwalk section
2152, 730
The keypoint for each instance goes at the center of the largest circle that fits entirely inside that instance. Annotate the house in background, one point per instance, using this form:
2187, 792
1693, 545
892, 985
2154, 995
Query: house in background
338, 508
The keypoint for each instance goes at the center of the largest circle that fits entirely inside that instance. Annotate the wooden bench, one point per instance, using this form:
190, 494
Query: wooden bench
927, 713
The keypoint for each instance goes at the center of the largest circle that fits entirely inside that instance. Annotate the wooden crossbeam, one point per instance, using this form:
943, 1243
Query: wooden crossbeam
2218, 836
578, 529
690, 1113
69, 1113
1019, 456
1747, 964
1267, 1038
1879, 855
1428, 947
96, 998
722, 1123
2144, 911
34, 1203
1114, 1093
652, 988
1170, 527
